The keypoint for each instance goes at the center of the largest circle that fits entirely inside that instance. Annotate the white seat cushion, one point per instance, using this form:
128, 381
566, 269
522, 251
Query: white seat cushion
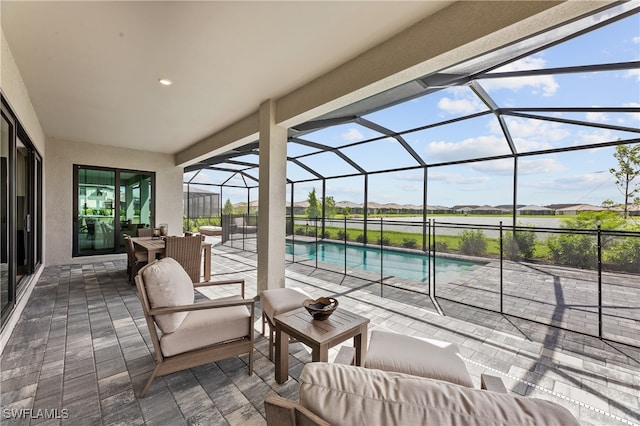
348, 395
418, 357
168, 284
207, 327
280, 300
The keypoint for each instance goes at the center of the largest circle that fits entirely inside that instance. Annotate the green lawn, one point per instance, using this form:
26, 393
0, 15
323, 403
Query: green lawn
411, 240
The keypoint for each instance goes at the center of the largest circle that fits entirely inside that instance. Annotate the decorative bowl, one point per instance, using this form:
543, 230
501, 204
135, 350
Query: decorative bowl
321, 308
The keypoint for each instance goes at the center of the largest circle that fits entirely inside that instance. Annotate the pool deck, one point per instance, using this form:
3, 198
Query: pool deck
82, 345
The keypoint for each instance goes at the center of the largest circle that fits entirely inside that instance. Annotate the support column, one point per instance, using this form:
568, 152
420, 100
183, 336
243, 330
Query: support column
271, 199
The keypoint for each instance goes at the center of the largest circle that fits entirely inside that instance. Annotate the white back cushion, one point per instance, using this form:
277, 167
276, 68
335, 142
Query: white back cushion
348, 395
417, 356
168, 284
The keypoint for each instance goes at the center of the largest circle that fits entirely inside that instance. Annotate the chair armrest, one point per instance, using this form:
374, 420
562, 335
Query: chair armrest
492, 383
222, 282
213, 304
284, 412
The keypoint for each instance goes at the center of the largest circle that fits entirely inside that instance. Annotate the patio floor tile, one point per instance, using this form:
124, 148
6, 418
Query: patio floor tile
82, 345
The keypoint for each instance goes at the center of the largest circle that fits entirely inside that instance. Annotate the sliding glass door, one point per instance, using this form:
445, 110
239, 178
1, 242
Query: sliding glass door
20, 210
109, 203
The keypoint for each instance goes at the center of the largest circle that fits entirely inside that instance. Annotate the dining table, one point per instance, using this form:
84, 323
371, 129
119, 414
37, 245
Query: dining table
155, 246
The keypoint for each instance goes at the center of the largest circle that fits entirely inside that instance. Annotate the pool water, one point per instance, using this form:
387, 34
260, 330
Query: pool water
410, 266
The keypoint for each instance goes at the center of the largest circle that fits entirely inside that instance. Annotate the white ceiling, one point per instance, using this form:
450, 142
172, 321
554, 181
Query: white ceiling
92, 68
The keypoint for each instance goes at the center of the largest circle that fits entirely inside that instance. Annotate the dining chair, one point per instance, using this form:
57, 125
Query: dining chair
136, 259
187, 251
145, 232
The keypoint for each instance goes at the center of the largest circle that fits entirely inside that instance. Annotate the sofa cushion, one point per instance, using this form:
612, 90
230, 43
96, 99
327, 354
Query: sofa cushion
207, 327
280, 300
168, 284
417, 356
348, 395
210, 230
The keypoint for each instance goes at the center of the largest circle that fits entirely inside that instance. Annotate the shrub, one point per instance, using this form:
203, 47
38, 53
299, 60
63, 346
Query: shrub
519, 246
442, 246
573, 250
326, 234
360, 238
300, 231
473, 243
626, 253
341, 235
384, 241
409, 243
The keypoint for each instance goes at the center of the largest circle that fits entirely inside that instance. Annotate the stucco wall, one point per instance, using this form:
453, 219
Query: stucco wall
16, 93
62, 155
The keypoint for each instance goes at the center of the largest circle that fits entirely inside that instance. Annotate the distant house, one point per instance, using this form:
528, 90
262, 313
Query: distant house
633, 210
509, 206
356, 208
490, 210
468, 208
438, 209
537, 210
578, 208
241, 208
299, 208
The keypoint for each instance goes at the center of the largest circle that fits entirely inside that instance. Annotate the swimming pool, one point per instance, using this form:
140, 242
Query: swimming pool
411, 266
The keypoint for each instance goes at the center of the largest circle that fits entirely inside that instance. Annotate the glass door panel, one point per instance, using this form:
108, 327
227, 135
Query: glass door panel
96, 211
23, 222
36, 211
135, 202
4, 213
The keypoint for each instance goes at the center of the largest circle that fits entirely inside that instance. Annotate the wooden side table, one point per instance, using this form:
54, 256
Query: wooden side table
318, 335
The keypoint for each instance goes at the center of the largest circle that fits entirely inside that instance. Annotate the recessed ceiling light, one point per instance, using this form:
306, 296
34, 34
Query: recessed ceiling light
165, 81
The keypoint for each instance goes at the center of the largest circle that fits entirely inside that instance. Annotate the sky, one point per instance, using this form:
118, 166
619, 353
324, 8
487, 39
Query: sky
580, 176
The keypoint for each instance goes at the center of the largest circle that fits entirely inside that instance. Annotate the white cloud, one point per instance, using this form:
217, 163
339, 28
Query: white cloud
597, 117
635, 116
540, 131
538, 166
482, 146
352, 134
636, 39
544, 84
459, 106
594, 136
460, 100
410, 176
457, 178
528, 63
581, 184
633, 74
503, 167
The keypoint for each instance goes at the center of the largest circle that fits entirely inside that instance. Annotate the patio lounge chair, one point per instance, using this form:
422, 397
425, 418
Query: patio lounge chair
191, 334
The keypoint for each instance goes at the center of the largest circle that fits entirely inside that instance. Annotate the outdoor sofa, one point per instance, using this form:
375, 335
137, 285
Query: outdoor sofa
339, 394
